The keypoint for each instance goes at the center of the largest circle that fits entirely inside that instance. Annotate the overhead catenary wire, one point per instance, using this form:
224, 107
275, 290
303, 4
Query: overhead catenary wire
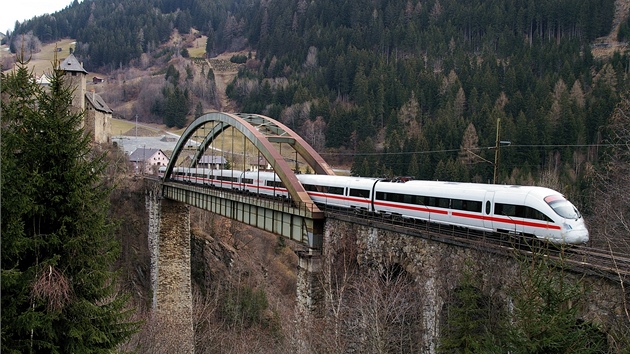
512, 146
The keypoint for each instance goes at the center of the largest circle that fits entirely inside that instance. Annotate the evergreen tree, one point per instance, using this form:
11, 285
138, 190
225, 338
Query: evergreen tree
546, 307
198, 110
59, 292
176, 107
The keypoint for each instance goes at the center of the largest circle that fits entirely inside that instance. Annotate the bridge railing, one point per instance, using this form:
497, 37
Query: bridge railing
276, 203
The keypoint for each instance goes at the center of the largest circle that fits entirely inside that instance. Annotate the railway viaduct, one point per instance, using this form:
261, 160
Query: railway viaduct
433, 258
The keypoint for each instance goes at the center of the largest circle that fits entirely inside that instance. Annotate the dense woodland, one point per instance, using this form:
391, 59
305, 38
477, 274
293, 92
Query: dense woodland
406, 88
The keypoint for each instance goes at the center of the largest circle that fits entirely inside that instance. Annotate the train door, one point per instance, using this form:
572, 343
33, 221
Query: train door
488, 210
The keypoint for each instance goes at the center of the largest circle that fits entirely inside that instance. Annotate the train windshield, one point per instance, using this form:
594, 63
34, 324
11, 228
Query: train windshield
562, 207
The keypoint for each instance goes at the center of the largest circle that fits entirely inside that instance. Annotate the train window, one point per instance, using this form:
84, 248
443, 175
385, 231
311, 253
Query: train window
467, 205
380, 195
335, 190
519, 211
309, 188
562, 207
277, 184
363, 193
438, 202
408, 199
474, 206
532, 213
488, 207
322, 189
248, 180
505, 209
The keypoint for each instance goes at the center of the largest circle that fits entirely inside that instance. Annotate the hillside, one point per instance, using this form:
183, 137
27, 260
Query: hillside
606, 46
387, 77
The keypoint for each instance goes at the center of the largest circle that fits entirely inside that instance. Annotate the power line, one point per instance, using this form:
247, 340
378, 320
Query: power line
457, 150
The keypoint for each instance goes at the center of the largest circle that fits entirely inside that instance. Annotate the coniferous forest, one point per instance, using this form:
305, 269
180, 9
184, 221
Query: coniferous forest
405, 88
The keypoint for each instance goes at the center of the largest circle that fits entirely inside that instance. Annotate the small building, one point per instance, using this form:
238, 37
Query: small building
212, 162
97, 117
148, 161
207, 161
259, 164
97, 80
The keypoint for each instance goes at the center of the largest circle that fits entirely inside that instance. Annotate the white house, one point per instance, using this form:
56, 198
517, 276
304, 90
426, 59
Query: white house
148, 161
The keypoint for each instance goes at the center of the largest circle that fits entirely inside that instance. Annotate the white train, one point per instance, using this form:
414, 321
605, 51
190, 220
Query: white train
525, 210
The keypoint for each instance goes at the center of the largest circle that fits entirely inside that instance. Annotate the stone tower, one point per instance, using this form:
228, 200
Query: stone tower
75, 77
97, 119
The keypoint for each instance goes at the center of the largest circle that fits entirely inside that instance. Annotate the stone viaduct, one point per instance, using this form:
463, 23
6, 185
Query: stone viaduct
434, 264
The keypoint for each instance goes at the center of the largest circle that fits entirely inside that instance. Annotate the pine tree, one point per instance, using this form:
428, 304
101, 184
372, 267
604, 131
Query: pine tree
546, 306
59, 291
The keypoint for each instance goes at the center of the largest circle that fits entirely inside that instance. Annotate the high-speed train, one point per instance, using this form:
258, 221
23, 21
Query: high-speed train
539, 212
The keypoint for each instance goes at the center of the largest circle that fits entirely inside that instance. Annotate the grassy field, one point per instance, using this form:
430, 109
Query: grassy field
199, 48
42, 62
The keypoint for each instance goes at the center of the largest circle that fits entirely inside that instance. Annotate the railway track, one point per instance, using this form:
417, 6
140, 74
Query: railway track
579, 259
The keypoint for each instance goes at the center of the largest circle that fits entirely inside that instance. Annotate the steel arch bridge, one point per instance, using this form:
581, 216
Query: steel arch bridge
263, 133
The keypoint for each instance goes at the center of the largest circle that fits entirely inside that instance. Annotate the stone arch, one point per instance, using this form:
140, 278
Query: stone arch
261, 131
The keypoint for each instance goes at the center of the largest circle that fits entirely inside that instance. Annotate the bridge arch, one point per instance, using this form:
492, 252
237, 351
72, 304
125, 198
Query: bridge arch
262, 132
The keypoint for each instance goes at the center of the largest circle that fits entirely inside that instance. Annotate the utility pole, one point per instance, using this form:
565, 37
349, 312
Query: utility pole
496, 153
496, 150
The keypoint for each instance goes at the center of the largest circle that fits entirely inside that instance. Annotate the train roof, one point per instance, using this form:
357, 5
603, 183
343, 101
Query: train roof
478, 187
261, 174
339, 181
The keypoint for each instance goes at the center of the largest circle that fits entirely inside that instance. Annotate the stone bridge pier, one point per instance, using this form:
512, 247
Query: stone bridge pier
169, 244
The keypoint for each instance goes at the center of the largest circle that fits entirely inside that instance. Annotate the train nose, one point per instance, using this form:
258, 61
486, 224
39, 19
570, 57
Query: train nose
575, 233
576, 236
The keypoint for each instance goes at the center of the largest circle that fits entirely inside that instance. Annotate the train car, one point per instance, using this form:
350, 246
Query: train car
198, 175
227, 179
180, 174
430, 201
265, 183
340, 191
525, 210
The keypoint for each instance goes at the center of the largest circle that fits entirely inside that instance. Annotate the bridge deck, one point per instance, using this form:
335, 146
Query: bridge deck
297, 221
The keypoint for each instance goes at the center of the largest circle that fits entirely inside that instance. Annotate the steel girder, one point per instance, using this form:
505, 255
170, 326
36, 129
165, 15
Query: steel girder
261, 131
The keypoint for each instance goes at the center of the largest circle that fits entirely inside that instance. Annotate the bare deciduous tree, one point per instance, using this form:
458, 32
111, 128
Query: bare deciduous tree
385, 314
470, 146
314, 132
610, 220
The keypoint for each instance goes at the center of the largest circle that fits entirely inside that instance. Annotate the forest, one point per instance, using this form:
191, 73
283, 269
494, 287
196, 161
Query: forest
418, 88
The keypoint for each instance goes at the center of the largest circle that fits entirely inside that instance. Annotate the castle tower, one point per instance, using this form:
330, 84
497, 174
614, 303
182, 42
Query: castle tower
97, 119
75, 77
